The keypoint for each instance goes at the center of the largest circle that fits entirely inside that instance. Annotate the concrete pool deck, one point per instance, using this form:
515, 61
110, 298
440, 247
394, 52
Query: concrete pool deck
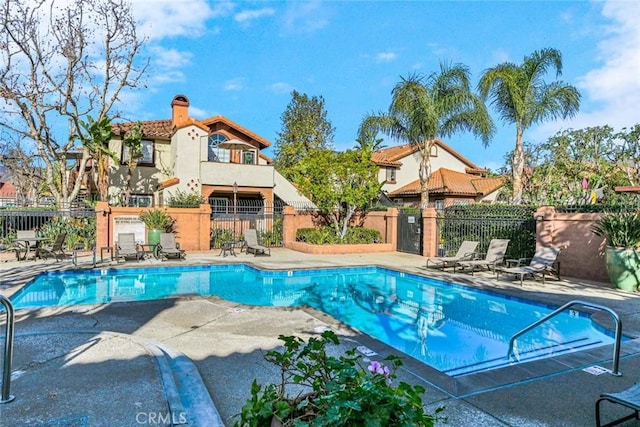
192, 360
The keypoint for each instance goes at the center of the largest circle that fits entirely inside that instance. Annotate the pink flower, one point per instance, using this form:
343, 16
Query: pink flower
378, 368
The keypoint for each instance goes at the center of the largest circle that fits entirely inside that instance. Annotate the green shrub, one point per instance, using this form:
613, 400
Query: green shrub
327, 236
322, 390
186, 200
620, 229
157, 219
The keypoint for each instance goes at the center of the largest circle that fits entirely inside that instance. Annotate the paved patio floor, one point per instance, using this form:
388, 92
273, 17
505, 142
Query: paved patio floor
190, 361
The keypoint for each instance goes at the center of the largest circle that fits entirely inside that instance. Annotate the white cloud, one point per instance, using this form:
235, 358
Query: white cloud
281, 87
234, 84
170, 58
249, 15
386, 56
160, 19
614, 86
305, 17
198, 113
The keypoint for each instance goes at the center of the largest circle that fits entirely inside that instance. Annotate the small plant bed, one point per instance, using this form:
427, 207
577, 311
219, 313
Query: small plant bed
318, 389
327, 236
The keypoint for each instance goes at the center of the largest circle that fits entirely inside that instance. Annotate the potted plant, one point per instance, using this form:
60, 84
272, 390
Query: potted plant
157, 221
316, 388
621, 231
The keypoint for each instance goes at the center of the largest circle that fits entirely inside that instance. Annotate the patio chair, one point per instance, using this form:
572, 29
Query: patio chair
629, 398
252, 245
542, 263
127, 248
169, 248
466, 251
56, 249
494, 257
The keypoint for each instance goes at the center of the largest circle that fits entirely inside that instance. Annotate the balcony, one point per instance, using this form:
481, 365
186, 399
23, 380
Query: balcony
216, 173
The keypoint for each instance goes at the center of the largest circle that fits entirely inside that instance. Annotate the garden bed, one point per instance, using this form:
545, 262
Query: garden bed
341, 249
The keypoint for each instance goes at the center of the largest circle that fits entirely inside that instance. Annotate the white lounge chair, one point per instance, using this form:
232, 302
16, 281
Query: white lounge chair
495, 256
252, 245
169, 248
126, 247
542, 263
466, 251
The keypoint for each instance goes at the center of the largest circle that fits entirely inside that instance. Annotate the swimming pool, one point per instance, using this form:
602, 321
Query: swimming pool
454, 329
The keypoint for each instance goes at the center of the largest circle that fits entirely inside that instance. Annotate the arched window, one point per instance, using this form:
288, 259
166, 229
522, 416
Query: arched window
216, 154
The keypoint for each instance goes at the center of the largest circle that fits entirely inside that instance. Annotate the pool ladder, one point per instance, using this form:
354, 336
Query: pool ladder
6, 397
616, 319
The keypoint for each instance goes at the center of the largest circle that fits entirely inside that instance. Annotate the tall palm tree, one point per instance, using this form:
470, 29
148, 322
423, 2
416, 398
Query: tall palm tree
423, 109
521, 96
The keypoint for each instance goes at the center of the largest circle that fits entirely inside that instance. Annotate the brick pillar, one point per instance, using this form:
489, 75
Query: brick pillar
104, 227
289, 226
429, 232
392, 227
545, 224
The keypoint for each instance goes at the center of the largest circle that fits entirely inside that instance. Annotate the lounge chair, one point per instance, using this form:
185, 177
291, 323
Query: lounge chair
542, 263
56, 249
494, 257
252, 245
169, 248
466, 251
127, 248
629, 398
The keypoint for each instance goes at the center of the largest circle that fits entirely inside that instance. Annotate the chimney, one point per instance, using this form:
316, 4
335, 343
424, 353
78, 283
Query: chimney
179, 109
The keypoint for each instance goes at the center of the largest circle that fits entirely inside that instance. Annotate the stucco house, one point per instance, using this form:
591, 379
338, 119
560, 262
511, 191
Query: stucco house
455, 179
215, 157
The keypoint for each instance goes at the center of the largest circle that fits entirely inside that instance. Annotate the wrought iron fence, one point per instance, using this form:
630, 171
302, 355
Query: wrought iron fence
228, 221
79, 224
482, 223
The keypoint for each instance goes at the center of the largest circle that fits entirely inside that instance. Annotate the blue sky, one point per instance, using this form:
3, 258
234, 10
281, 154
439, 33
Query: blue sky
243, 59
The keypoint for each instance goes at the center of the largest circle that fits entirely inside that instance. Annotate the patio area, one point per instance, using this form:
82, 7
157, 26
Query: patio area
95, 366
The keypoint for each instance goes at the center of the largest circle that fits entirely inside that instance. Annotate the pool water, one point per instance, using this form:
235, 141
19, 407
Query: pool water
455, 329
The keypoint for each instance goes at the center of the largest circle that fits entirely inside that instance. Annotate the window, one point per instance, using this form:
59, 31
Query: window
439, 205
249, 157
215, 154
146, 155
391, 175
434, 151
141, 200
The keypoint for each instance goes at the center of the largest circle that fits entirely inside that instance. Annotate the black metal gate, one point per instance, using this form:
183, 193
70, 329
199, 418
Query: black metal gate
410, 232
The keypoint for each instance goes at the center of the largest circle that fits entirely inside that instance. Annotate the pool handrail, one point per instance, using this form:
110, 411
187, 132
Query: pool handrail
618, 333
6, 396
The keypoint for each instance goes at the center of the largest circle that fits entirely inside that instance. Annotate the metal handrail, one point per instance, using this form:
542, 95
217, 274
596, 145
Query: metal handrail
6, 397
618, 335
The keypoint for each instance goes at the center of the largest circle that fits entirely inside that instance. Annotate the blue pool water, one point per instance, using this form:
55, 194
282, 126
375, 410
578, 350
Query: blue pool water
455, 329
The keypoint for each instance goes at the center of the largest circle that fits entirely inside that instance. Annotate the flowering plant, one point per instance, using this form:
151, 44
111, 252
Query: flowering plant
318, 389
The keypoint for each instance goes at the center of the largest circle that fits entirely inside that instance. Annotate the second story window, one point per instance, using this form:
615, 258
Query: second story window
391, 175
146, 155
214, 153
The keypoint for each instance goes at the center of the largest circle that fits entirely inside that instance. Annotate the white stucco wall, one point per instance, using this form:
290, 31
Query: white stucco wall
411, 166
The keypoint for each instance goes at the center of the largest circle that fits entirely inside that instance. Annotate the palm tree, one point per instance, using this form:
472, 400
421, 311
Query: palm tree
520, 95
423, 109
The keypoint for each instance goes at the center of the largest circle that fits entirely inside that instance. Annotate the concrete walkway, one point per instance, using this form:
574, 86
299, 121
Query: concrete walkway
191, 361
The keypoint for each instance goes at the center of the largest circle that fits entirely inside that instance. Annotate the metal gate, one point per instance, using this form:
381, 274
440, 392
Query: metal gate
410, 231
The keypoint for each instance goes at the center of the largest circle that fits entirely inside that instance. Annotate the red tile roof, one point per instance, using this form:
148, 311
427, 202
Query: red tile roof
164, 129
390, 156
452, 183
156, 129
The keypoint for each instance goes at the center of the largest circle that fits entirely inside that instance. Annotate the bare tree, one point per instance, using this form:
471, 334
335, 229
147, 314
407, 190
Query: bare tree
60, 65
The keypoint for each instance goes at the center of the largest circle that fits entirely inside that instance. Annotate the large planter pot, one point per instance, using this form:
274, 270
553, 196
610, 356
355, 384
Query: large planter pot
153, 236
623, 267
